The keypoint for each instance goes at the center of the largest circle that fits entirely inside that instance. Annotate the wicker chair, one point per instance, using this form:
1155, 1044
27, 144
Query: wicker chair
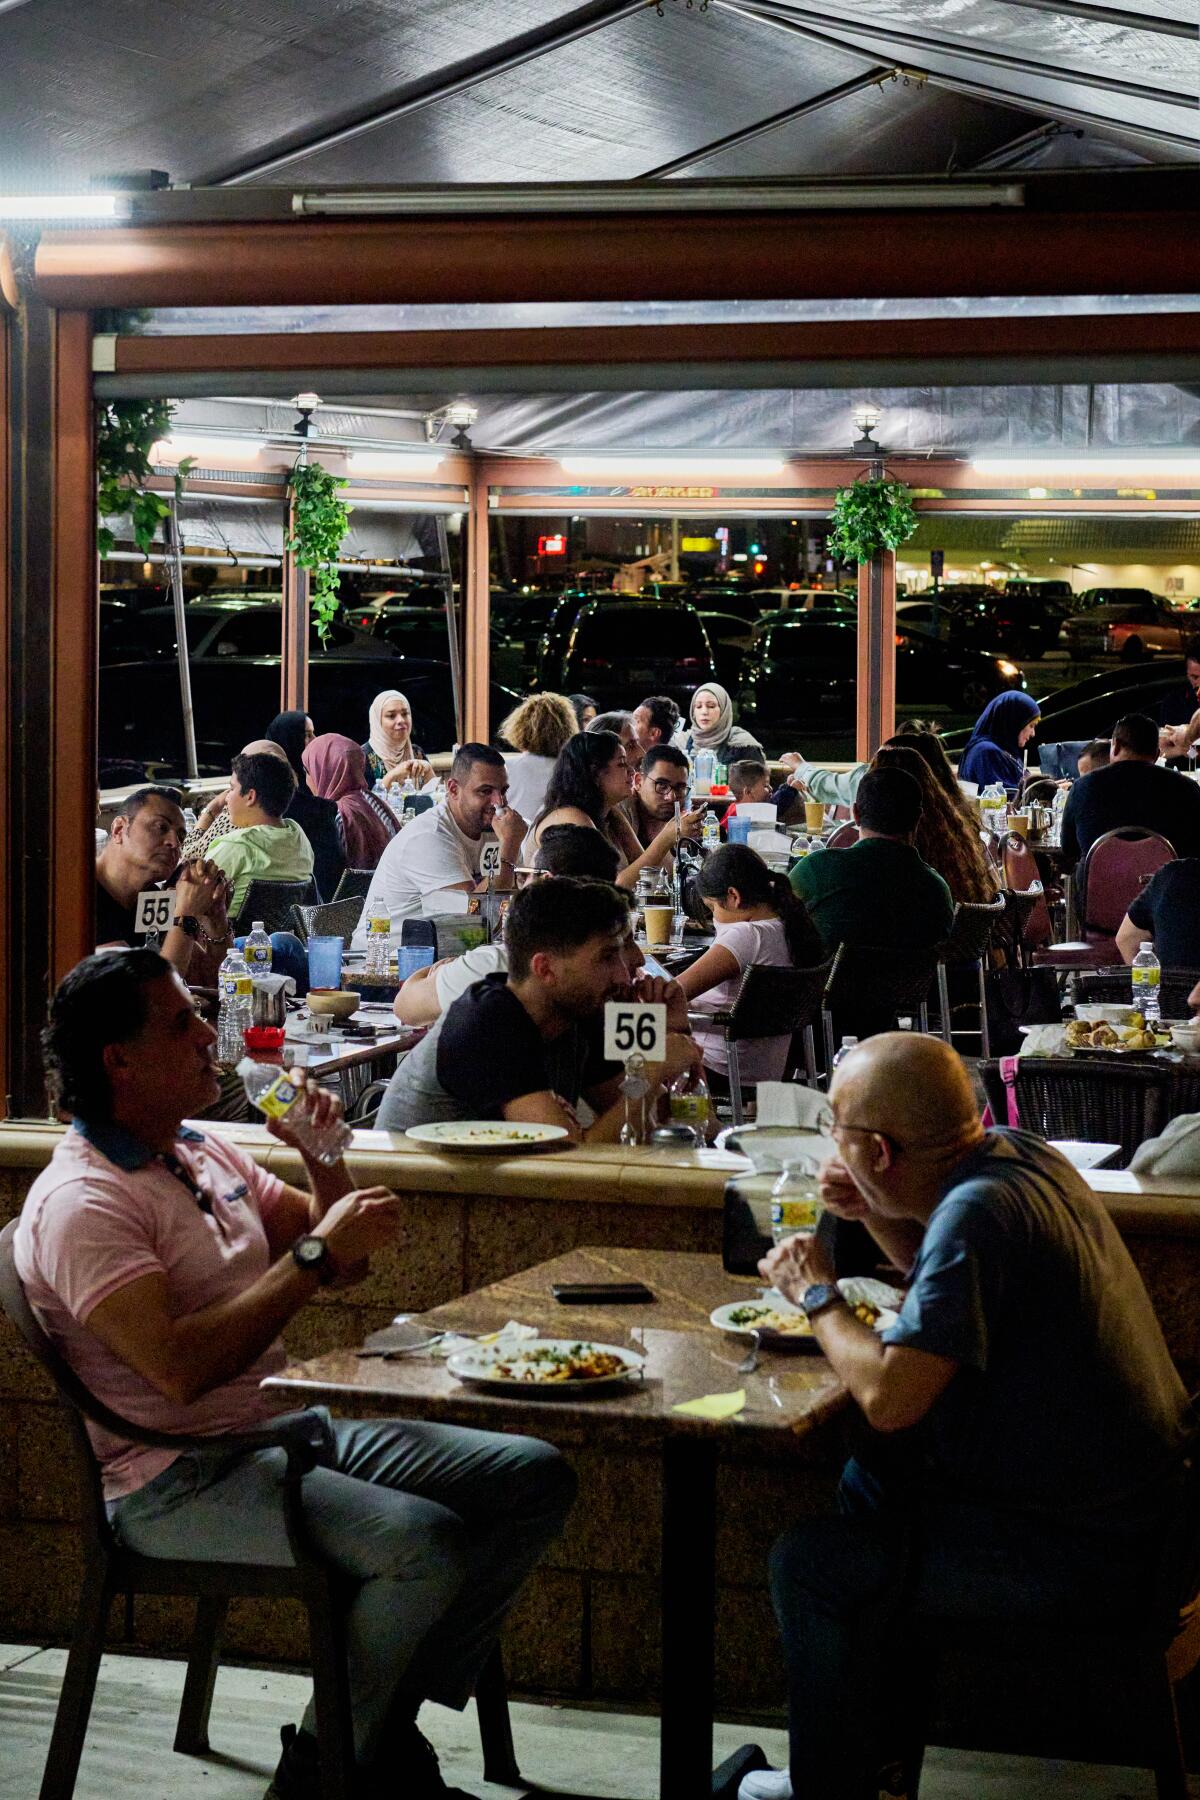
354, 881
872, 986
966, 948
1098, 1099
771, 1002
337, 918
272, 902
1112, 987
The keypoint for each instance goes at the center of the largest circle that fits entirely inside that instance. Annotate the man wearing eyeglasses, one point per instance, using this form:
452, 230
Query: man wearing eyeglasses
662, 785
1026, 1417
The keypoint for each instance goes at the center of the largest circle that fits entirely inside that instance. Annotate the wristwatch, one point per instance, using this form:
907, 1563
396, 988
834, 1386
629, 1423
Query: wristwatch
818, 1299
187, 922
312, 1255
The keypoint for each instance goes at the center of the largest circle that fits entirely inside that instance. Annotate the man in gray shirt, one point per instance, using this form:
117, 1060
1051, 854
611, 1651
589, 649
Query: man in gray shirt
1042, 1419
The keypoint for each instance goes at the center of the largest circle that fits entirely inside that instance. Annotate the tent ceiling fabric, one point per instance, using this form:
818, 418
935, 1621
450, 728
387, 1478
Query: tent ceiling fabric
219, 84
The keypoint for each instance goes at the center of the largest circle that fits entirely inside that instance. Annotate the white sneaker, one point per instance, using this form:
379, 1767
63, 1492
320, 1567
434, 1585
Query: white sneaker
766, 1784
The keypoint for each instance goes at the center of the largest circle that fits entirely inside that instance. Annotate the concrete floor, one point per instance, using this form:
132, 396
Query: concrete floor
592, 1752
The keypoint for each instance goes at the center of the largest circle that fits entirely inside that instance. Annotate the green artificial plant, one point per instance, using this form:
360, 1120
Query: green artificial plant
126, 430
320, 522
875, 514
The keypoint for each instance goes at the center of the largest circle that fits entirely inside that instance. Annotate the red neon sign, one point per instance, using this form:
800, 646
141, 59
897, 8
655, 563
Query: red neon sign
552, 546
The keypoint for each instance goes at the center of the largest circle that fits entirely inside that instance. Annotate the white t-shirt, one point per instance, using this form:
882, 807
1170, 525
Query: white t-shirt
528, 776
464, 971
419, 864
751, 942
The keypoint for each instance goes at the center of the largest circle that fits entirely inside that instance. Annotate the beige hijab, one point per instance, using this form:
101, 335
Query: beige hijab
386, 746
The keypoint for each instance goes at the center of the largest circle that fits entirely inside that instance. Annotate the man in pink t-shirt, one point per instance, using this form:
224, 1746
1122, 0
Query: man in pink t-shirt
164, 1263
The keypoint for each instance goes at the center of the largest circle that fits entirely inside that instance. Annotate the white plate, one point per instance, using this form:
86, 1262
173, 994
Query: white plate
854, 1288
490, 1137
477, 1367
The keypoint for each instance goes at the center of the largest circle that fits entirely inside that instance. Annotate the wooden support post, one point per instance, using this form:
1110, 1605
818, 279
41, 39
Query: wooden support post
293, 685
876, 652
51, 677
478, 611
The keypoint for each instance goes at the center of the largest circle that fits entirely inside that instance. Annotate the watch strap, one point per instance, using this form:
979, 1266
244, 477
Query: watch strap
819, 1298
311, 1253
187, 922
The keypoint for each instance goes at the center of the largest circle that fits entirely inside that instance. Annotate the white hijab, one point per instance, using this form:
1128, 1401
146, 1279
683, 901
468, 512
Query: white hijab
710, 740
382, 742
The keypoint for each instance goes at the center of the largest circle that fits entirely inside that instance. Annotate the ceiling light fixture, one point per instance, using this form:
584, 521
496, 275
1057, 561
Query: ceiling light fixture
209, 450
639, 197
670, 465
37, 207
1132, 465
394, 462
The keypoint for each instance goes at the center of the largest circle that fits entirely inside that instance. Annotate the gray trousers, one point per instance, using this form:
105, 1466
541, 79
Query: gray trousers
438, 1526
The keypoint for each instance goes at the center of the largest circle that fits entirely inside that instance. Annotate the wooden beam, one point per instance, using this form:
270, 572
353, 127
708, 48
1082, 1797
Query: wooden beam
876, 653
854, 342
5, 629
293, 672
477, 723
739, 255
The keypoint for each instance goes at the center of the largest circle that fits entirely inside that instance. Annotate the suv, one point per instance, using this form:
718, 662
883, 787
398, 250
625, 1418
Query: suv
619, 650
802, 599
1133, 628
1022, 622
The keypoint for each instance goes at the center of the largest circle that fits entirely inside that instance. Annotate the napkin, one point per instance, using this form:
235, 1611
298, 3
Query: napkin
789, 1103
713, 1406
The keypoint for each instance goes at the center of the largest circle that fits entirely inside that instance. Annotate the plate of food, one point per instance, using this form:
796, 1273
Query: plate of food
491, 1137
782, 1325
1136, 1038
547, 1366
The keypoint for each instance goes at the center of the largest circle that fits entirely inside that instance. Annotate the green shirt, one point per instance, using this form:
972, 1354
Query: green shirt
876, 892
262, 853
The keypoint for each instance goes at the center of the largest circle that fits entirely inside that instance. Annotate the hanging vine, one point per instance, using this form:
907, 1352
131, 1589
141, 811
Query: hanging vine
875, 514
126, 430
320, 522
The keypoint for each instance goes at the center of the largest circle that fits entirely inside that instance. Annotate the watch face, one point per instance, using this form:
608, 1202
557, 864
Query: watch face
310, 1250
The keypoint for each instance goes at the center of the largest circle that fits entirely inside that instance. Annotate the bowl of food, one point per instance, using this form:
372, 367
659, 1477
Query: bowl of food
334, 1003
1186, 1036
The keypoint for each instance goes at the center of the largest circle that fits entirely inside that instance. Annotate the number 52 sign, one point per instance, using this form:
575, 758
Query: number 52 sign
632, 1030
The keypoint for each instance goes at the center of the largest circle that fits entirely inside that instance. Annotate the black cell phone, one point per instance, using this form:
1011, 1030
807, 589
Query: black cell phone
601, 1293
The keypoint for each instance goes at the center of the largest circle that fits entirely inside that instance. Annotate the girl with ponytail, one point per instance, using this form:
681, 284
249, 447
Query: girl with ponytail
759, 922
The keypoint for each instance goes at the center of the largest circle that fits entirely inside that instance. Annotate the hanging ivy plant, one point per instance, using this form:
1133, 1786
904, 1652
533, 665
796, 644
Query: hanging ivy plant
126, 430
875, 514
320, 522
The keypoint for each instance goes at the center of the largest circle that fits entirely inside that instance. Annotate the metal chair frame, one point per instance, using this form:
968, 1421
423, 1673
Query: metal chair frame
967, 946
110, 1569
900, 980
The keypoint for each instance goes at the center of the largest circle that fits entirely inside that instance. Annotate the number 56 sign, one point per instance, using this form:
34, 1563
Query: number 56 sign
632, 1030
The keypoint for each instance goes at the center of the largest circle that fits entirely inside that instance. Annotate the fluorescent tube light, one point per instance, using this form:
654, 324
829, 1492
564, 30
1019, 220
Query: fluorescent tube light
670, 465
1132, 465
659, 197
210, 450
394, 462
61, 206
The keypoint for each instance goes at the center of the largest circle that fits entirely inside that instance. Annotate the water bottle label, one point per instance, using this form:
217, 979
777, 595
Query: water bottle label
236, 987
1146, 977
257, 956
380, 927
279, 1098
800, 1214
689, 1109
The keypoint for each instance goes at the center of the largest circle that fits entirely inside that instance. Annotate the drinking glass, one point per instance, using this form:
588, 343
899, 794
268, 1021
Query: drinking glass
412, 957
325, 962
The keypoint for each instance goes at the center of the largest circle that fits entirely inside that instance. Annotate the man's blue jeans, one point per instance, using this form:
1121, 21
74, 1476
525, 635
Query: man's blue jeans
844, 1587
439, 1527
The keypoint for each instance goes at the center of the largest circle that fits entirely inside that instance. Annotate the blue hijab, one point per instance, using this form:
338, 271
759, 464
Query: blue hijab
992, 752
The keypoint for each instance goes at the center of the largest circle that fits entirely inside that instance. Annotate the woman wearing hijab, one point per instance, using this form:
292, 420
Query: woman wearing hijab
293, 732
390, 752
993, 751
337, 771
712, 727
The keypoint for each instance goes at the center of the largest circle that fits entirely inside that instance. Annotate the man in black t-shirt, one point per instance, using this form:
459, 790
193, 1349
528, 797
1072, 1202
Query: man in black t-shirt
143, 852
1166, 914
1132, 791
525, 1046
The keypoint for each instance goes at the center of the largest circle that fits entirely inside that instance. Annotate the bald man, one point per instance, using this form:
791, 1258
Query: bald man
1026, 1417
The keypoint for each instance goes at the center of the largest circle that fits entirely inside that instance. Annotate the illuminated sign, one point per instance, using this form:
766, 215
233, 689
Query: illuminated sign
672, 493
697, 546
552, 546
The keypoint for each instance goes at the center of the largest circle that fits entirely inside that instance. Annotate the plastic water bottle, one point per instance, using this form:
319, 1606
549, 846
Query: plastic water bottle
257, 950
379, 939
993, 808
704, 767
847, 1045
689, 1105
278, 1095
1146, 973
796, 1200
710, 832
1061, 796
236, 988
189, 821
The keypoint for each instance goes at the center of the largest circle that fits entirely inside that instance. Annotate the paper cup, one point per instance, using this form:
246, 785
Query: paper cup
814, 814
658, 924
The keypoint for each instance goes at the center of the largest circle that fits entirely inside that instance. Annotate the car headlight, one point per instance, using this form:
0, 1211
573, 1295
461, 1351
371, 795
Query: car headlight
1007, 668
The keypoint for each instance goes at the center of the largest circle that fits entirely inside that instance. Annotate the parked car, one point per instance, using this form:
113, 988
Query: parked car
800, 666
619, 650
730, 637
234, 654
1134, 628
1015, 623
1035, 587
1089, 708
804, 599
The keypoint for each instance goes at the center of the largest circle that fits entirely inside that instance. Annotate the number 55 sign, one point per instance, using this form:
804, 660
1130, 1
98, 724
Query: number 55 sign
631, 1030
154, 911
